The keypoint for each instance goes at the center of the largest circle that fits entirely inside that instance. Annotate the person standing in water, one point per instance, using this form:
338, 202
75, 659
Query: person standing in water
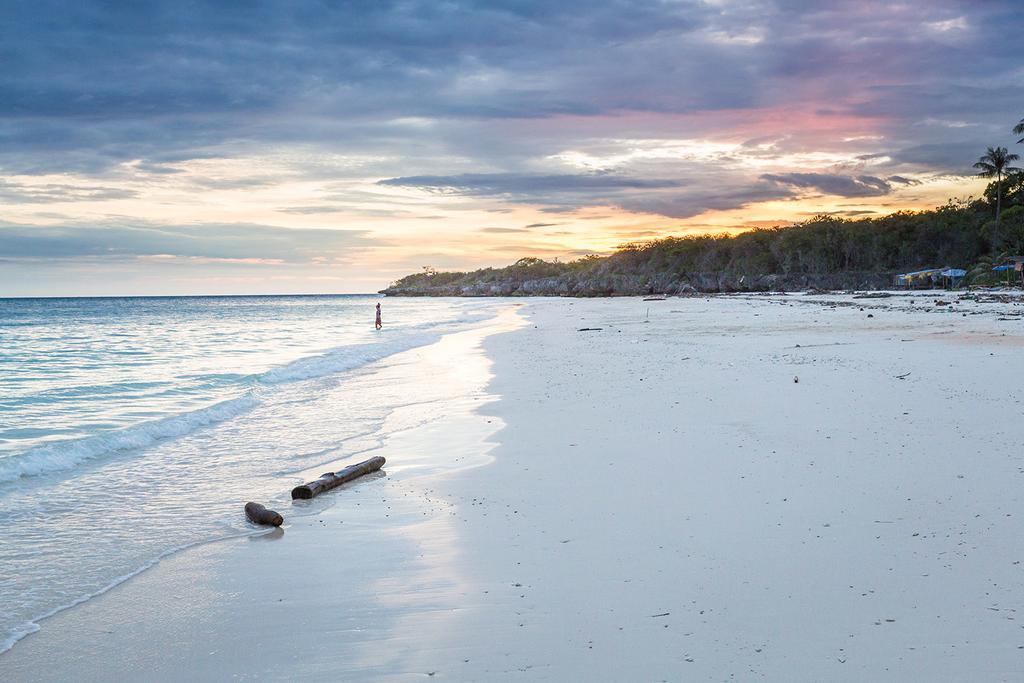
378, 324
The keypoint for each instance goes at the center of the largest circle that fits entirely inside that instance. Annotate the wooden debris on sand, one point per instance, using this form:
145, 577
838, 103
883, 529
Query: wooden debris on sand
329, 480
258, 514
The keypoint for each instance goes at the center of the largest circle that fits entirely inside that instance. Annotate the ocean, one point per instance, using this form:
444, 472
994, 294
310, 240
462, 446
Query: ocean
133, 427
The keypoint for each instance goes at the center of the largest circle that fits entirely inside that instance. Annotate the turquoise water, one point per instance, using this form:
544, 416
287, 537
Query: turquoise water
131, 427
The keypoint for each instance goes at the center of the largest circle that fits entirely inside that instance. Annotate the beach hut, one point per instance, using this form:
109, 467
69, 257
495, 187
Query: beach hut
1011, 265
932, 277
919, 278
952, 277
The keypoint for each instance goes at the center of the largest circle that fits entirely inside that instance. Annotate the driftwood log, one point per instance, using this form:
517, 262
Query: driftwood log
329, 480
261, 515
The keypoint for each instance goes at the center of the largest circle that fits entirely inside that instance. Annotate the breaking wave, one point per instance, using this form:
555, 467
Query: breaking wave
64, 455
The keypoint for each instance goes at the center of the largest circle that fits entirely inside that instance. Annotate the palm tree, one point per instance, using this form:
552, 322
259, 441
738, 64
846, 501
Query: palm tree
995, 163
981, 272
1019, 130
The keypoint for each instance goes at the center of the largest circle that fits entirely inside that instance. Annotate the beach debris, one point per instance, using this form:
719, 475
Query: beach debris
590, 329
663, 614
796, 380
330, 480
258, 514
655, 298
903, 376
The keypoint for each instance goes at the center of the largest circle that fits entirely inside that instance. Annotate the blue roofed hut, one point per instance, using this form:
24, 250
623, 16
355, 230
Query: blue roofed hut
947, 277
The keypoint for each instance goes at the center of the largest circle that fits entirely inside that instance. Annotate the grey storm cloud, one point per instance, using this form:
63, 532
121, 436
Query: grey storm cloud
210, 240
88, 84
697, 198
828, 183
900, 180
558, 193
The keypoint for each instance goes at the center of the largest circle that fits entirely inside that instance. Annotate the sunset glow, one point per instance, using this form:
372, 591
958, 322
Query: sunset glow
355, 147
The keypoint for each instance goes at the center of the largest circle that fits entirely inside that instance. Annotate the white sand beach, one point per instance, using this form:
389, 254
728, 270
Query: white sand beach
785, 487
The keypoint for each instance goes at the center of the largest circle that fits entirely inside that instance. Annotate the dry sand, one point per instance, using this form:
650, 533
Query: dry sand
658, 499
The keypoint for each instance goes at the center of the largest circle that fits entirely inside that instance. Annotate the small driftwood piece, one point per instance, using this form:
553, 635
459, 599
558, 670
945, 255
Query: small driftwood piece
258, 514
329, 480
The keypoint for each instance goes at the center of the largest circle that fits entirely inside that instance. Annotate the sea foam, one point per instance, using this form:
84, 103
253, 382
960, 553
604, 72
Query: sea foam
341, 359
64, 455
236, 394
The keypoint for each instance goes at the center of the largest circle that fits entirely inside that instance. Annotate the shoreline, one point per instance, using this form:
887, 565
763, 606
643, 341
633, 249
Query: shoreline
113, 605
660, 499
288, 474
697, 293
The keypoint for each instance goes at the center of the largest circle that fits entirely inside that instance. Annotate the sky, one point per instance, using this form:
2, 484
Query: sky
307, 147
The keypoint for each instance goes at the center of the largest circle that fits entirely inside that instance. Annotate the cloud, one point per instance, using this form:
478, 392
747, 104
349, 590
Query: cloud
519, 185
951, 156
310, 210
565, 193
833, 184
103, 83
220, 241
55, 193
699, 198
682, 198
503, 230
